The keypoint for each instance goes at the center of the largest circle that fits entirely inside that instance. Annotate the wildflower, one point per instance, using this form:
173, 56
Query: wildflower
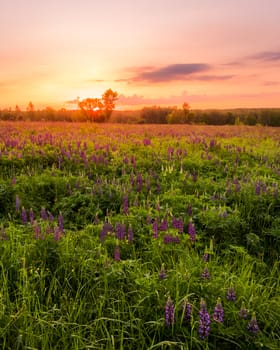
178, 224
258, 188
187, 310
169, 312
162, 273
163, 225
60, 222
171, 239
189, 210
204, 321
191, 231
125, 204
155, 229
120, 231
130, 234
218, 315
243, 312
17, 203
31, 216
37, 230
56, 233
253, 325
23, 216
205, 257
205, 273
231, 295
44, 215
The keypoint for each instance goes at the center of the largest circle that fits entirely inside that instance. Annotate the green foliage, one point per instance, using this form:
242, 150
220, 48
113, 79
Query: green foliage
62, 283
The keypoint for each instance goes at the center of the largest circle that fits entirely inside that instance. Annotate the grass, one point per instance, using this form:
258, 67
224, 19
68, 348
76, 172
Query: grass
63, 285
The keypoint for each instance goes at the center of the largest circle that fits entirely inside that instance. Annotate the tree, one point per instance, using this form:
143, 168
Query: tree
99, 110
186, 109
109, 98
30, 110
92, 108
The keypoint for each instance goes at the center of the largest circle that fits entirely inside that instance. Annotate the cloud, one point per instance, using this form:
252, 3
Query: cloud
95, 81
213, 77
172, 72
135, 99
267, 56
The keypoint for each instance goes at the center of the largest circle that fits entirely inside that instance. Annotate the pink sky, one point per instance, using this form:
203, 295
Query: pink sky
209, 53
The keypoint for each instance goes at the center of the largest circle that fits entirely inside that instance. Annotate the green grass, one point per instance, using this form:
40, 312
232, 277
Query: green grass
65, 289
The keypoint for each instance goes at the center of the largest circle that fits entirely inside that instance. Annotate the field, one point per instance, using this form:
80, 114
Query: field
139, 237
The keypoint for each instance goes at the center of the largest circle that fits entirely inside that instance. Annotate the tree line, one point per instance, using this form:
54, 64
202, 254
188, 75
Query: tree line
103, 110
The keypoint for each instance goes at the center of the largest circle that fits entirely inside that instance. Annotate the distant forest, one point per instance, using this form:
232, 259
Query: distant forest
150, 115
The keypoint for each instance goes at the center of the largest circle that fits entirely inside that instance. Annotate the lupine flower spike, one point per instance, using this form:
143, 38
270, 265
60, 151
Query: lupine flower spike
191, 231
169, 312
243, 312
253, 325
231, 295
204, 321
205, 273
162, 273
218, 315
187, 311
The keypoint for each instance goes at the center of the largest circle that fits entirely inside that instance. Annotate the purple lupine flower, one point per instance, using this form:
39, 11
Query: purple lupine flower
171, 239
231, 295
146, 142
178, 224
205, 273
17, 203
14, 180
253, 325
187, 310
31, 216
258, 188
130, 234
162, 273
23, 216
117, 253
120, 231
44, 215
163, 225
191, 231
37, 230
125, 204
243, 312
60, 222
169, 312
56, 233
205, 257
204, 321
218, 314
155, 229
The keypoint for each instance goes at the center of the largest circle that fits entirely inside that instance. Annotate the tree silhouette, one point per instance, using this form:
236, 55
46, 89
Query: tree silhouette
99, 110
109, 98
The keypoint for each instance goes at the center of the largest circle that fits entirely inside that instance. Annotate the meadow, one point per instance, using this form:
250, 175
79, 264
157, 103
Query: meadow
139, 236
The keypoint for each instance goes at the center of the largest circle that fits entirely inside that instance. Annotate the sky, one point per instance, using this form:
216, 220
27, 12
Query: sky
209, 53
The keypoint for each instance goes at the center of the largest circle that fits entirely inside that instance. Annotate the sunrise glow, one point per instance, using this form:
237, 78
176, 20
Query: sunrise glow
210, 53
